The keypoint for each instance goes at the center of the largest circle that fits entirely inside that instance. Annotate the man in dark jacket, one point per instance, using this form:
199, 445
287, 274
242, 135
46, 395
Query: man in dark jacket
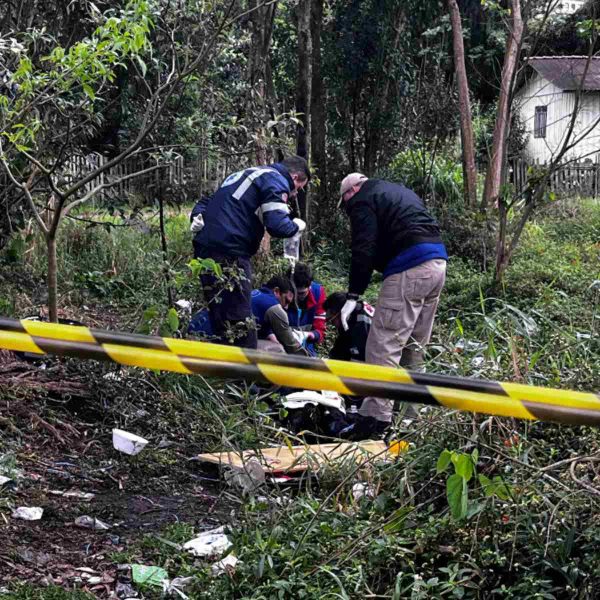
229, 226
392, 232
269, 304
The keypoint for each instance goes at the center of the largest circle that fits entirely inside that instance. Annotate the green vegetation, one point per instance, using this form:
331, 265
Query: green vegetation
478, 507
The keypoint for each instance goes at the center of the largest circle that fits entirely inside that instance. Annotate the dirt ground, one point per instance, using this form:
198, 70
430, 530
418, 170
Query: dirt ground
56, 431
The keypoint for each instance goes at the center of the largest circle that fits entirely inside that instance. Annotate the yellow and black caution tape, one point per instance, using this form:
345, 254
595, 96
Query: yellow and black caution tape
359, 379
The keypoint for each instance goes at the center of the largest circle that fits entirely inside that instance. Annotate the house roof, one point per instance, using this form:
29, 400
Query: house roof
566, 72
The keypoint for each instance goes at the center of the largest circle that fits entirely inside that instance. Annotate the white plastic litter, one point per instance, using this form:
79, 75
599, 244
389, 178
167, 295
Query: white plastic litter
126, 442
84, 496
4, 480
184, 305
362, 490
28, 513
326, 398
227, 565
210, 544
91, 523
470, 346
477, 362
176, 586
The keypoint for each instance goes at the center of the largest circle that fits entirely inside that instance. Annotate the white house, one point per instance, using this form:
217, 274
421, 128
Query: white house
546, 102
567, 7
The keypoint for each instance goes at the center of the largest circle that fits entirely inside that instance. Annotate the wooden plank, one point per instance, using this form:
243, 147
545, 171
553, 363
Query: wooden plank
294, 459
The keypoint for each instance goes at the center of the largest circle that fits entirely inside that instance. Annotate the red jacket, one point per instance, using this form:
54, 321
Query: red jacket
311, 313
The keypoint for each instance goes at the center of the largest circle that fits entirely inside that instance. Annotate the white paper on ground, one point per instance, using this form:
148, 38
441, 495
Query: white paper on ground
210, 544
28, 513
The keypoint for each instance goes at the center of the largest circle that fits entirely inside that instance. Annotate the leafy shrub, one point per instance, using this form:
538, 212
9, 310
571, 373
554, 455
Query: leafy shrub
436, 177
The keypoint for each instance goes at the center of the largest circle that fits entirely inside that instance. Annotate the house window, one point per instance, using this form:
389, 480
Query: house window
539, 125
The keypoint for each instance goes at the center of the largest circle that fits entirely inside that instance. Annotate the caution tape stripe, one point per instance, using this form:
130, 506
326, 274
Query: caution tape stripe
460, 383
184, 356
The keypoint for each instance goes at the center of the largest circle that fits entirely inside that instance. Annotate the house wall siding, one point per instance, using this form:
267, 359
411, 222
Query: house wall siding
540, 92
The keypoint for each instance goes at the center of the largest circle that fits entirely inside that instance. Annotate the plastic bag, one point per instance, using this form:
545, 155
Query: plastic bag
291, 248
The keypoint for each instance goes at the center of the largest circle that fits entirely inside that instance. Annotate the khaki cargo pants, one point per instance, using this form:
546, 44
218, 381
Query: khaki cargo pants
402, 325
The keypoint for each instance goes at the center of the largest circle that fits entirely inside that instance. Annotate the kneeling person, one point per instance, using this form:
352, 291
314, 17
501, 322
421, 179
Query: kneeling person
269, 304
350, 343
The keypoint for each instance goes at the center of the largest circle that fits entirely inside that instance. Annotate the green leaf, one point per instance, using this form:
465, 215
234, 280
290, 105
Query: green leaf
143, 574
89, 92
456, 493
459, 326
501, 489
487, 485
142, 65
173, 320
474, 509
443, 461
396, 519
463, 466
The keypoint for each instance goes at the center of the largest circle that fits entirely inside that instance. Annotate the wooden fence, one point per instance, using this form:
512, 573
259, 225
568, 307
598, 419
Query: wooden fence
179, 176
171, 173
194, 177
572, 179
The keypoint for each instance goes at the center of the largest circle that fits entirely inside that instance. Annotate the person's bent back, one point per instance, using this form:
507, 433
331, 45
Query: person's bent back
228, 228
268, 307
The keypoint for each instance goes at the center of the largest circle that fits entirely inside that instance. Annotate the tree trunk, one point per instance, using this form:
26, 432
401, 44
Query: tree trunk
303, 92
464, 103
317, 102
501, 249
493, 178
262, 19
376, 121
163, 243
52, 277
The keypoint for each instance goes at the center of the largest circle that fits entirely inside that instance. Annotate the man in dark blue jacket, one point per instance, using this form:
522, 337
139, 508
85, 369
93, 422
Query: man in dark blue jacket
229, 226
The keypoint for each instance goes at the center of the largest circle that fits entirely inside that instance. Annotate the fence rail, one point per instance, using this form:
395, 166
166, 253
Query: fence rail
572, 179
170, 172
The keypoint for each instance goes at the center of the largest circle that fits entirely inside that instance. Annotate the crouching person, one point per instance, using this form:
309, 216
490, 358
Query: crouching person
308, 313
350, 343
269, 304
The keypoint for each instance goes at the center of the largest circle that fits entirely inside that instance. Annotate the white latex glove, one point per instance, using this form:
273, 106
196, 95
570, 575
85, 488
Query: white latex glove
347, 310
301, 225
197, 224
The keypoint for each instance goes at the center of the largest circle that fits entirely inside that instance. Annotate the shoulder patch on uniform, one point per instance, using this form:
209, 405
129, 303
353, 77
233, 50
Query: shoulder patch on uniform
233, 178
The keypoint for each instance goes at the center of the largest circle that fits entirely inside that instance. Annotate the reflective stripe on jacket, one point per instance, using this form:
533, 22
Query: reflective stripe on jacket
247, 203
